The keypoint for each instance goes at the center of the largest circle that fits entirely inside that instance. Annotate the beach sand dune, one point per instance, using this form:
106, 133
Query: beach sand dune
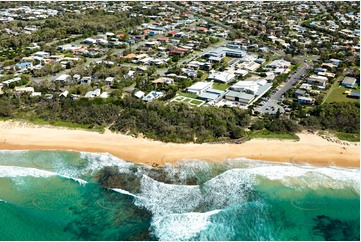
311, 148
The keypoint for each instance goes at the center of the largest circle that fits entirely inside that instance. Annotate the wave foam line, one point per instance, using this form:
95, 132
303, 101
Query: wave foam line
15, 171
123, 192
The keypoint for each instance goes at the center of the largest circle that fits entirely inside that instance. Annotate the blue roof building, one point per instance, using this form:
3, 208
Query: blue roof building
24, 65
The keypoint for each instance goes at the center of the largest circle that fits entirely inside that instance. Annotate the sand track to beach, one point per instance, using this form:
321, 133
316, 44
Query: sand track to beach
310, 149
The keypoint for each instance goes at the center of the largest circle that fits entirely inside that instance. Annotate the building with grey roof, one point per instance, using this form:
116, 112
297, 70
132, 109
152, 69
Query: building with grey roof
211, 95
349, 82
241, 97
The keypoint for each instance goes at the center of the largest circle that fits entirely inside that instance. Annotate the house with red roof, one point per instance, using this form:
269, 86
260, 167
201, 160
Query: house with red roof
172, 33
163, 39
202, 29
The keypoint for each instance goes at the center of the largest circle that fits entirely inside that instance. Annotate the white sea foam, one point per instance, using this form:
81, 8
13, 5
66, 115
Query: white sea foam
308, 176
16, 172
96, 161
183, 226
124, 192
159, 198
173, 206
227, 189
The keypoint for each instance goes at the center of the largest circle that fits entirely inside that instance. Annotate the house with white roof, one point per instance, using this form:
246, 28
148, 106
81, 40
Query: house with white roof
95, 93
221, 76
279, 64
319, 81
63, 78
152, 95
199, 87
109, 81
139, 94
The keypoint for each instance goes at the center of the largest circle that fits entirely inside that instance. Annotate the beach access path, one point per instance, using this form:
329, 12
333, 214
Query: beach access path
311, 148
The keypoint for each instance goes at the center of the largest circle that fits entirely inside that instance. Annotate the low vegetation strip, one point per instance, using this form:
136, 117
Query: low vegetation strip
265, 134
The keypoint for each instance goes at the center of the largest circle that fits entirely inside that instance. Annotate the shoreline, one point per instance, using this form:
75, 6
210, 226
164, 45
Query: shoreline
311, 148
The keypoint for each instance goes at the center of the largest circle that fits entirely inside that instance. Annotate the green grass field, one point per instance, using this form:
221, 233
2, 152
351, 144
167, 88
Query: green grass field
189, 100
336, 94
204, 76
265, 134
220, 86
186, 94
196, 102
349, 137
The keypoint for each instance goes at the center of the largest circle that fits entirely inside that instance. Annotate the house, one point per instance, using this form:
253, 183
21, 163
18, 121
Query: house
86, 80
172, 33
152, 95
7, 82
253, 85
163, 80
241, 97
199, 87
252, 66
226, 51
76, 78
104, 95
89, 41
24, 89
95, 93
305, 100
260, 61
63, 78
24, 65
319, 81
163, 39
305, 86
219, 76
176, 52
279, 64
327, 74
49, 96
335, 62
35, 94
300, 93
211, 95
349, 82
109, 81
64, 94
241, 72
139, 94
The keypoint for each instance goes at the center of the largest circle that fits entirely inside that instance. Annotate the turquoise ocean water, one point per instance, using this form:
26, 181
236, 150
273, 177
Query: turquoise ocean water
58, 195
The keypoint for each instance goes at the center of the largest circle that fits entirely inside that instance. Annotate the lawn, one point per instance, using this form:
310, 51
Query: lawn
265, 134
188, 100
349, 137
186, 94
195, 102
336, 94
227, 59
220, 86
204, 76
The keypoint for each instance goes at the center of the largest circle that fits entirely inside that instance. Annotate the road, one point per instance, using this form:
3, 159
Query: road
271, 106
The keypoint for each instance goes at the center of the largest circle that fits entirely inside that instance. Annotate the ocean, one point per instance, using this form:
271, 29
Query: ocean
61, 195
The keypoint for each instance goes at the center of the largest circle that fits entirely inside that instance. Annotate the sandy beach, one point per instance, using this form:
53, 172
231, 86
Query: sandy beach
311, 148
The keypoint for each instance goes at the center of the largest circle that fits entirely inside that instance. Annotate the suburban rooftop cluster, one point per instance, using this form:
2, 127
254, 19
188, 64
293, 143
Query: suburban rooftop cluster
268, 57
